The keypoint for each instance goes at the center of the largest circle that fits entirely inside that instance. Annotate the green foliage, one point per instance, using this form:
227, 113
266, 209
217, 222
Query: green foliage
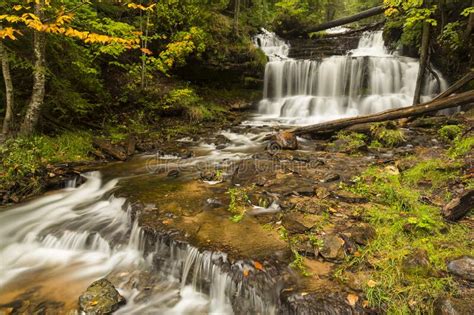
449, 132
238, 203
451, 36
27, 156
298, 264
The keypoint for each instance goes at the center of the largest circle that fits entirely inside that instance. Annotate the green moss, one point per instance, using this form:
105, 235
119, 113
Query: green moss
349, 141
449, 132
435, 171
461, 147
387, 134
403, 224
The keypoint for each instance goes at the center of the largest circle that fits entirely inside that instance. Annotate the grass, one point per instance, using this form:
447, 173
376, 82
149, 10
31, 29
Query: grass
461, 147
449, 132
403, 224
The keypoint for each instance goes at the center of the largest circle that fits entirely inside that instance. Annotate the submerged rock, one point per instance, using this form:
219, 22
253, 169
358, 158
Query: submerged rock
101, 297
462, 267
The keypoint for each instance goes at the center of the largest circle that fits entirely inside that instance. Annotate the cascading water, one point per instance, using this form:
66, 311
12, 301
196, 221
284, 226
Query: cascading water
58, 244
367, 80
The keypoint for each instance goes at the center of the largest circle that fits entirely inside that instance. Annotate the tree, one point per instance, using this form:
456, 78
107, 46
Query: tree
9, 102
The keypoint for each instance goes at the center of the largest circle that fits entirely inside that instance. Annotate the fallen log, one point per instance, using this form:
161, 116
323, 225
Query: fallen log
431, 106
346, 20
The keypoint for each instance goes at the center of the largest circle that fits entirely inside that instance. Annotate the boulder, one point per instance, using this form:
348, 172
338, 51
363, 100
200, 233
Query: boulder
283, 140
361, 234
297, 222
462, 267
459, 206
101, 297
333, 247
417, 262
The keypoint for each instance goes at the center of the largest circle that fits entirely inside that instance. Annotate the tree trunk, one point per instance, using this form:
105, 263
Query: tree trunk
144, 56
431, 106
236, 16
39, 78
7, 122
424, 50
346, 20
470, 24
442, 10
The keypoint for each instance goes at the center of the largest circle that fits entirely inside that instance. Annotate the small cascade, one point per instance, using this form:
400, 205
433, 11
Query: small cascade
67, 240
367, 80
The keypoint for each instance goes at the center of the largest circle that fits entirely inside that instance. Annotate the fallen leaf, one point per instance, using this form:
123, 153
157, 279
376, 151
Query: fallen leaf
365, 304
167, 221
371, 283
352, 299
246, 272
258, 265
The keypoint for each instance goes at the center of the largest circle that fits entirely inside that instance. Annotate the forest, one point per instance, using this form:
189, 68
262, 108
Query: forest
236, 156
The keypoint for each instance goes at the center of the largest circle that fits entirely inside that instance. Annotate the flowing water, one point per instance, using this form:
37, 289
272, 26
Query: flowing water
58, 244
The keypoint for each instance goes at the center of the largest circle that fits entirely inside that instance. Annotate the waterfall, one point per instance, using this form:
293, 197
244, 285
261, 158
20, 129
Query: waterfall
366, 80
66, 240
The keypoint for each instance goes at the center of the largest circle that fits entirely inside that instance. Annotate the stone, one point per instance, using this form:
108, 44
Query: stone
454, 306
348, 197
101, 297
297, 222
462, 267
459, 206
283, 140
417, 262
321, 192
333, 247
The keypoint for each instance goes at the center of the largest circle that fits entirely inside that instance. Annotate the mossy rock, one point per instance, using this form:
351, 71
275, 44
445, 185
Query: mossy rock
101, 297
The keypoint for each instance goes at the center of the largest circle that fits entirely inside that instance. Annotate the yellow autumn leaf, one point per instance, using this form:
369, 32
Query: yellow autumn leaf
371, 283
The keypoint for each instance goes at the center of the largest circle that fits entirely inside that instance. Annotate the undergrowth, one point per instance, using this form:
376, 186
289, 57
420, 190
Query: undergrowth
404, 225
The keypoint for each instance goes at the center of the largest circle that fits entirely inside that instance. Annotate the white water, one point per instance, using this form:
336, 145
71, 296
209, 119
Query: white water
66, 240
367, 80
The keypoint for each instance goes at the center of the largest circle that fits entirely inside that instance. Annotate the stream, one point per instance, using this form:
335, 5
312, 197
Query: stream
53, 247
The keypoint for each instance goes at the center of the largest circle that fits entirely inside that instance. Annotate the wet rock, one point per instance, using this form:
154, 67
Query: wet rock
173, 173
210, 175
462, 267
417, 262
214, 203
348, 197
317, 303
330, 178
459, 206
101, 297
106, 146
297, 222
333, 247
283, 140
305, 248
